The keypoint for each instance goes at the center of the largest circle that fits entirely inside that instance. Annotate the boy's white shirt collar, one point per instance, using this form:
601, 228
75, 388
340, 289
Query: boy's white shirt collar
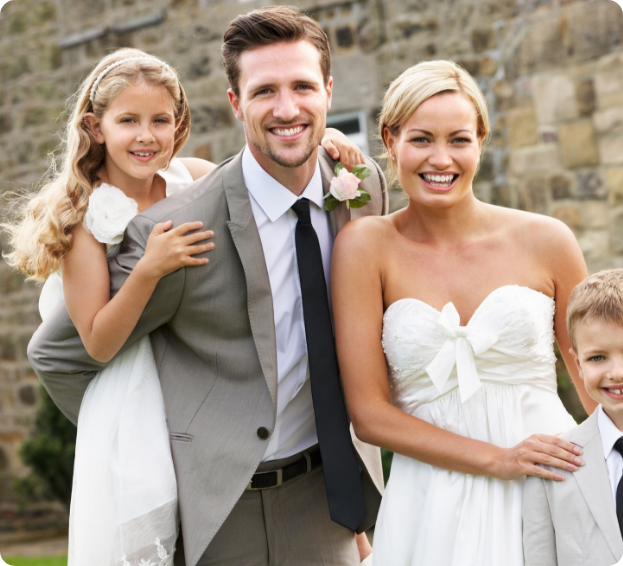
608, 431
609, 434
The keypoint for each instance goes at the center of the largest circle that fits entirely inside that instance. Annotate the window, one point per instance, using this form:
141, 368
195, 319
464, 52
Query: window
353, 124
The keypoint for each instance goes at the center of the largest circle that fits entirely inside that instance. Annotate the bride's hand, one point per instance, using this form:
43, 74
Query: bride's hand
522, 459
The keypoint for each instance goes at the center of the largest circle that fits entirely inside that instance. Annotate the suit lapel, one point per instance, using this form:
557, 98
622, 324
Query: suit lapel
341, 215
593, 481
246, 238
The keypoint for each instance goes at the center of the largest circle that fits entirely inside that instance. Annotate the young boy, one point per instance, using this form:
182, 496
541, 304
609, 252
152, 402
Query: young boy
574, 522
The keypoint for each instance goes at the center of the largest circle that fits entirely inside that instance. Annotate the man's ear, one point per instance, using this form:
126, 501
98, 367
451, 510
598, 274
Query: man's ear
329, 89
234, 102
92, 122
577, 362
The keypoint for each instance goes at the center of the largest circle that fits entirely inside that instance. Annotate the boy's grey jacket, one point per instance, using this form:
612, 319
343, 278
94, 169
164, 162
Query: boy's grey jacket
213, 337
573, 522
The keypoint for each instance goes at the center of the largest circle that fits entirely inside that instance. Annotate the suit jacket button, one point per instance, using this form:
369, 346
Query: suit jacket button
263, 433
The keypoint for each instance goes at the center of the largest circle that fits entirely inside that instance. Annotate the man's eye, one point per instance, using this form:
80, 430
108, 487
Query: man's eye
303, 87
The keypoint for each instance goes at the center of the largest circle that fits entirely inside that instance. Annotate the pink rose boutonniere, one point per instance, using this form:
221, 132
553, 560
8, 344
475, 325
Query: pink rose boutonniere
345, 188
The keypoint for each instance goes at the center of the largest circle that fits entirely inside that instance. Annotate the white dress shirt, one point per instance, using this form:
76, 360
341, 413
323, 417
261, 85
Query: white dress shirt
295, 429
609, 435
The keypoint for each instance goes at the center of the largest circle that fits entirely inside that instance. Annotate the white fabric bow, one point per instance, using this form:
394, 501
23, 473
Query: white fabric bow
463, 342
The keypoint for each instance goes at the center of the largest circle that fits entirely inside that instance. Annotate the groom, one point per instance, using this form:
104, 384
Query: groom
266, 468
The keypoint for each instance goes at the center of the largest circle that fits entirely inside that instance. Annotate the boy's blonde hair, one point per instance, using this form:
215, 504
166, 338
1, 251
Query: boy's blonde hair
421, 82
599, 296
40, 235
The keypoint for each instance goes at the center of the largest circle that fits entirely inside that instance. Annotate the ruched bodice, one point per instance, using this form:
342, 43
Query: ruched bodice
494, 380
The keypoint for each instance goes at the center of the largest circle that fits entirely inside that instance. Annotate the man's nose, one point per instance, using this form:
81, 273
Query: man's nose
286, 107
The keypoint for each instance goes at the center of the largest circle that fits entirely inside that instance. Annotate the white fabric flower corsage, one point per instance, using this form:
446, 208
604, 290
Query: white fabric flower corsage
345, 188
109, 213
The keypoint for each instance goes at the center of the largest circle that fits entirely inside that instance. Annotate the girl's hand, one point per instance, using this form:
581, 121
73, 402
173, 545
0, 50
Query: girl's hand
340, 148
168, 248
522, 460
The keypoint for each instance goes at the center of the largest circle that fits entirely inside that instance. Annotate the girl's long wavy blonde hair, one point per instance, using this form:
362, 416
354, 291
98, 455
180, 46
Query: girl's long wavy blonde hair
40, 233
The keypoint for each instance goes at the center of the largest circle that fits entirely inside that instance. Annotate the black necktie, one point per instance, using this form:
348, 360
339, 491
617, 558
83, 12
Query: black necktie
347, 505
618, 446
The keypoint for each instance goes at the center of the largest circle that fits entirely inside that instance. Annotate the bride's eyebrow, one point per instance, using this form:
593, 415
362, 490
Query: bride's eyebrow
419, 130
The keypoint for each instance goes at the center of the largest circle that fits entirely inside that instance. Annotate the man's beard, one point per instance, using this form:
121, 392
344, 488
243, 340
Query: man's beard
264, 147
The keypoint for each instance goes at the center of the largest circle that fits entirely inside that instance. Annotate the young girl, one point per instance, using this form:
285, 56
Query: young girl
130, 119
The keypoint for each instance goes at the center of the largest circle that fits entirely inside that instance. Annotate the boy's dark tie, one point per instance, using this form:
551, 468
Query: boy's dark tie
347, 505
618, 446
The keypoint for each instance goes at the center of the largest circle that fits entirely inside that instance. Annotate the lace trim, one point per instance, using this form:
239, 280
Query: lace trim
166, 557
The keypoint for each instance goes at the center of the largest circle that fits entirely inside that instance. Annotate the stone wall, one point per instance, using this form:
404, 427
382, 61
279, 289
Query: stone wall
552, 71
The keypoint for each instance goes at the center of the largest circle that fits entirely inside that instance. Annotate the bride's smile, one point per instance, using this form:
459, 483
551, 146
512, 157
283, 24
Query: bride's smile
437, 150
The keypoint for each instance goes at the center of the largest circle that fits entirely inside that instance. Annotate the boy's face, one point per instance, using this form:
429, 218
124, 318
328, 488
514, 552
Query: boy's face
599, 357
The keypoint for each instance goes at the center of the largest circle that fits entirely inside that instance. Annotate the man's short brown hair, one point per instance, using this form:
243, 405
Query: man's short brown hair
265, 26
599, 296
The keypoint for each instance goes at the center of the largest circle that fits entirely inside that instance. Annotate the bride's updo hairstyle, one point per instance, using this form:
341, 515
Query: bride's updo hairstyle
419, 83
40, 235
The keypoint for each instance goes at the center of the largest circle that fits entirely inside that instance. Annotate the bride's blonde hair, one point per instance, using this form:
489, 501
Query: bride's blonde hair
40, 234
419, 83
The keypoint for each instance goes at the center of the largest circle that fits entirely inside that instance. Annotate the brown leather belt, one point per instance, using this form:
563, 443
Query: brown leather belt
274, 478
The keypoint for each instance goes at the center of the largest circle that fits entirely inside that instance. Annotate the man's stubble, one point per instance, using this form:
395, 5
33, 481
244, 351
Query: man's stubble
266, 149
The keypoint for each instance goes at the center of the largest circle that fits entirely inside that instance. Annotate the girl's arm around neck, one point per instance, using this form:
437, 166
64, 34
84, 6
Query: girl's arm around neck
357, 288
104, 324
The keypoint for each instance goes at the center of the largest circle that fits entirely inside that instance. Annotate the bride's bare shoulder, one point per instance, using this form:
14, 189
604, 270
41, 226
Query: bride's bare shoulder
365, 232
536, 231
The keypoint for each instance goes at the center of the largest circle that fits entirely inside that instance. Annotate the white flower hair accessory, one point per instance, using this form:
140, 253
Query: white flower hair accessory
109, 213
345, 188
121, 62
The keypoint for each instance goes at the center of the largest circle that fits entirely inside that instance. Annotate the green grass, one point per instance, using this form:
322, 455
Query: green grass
36, 561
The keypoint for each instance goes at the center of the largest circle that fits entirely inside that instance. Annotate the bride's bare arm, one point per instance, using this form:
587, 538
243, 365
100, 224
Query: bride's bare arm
563, 256
357, 289
104, 324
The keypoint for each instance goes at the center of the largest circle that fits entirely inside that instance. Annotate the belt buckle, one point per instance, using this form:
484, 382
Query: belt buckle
279, 473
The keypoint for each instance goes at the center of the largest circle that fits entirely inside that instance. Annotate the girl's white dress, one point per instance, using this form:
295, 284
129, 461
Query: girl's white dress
124, 496
493, 380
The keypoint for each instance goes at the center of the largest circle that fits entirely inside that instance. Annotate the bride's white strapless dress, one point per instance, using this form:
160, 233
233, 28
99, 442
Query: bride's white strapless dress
492, 380
124, 495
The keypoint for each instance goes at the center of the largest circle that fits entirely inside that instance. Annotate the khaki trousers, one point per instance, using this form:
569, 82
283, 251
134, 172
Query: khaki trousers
287, 525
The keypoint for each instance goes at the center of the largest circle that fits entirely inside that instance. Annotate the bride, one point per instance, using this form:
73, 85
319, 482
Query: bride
445, 314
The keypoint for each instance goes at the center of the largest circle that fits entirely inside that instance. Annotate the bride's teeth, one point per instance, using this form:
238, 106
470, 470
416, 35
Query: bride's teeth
616, 391
142, 154
439, 179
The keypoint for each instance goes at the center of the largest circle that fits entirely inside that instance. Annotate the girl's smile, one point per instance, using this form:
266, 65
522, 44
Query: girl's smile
138, 132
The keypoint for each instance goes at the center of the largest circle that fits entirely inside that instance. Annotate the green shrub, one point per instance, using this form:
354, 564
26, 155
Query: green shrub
50, 454
36, 561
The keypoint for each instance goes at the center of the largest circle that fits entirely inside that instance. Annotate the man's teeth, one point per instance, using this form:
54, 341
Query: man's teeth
615, 391
288, 131
442, 179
